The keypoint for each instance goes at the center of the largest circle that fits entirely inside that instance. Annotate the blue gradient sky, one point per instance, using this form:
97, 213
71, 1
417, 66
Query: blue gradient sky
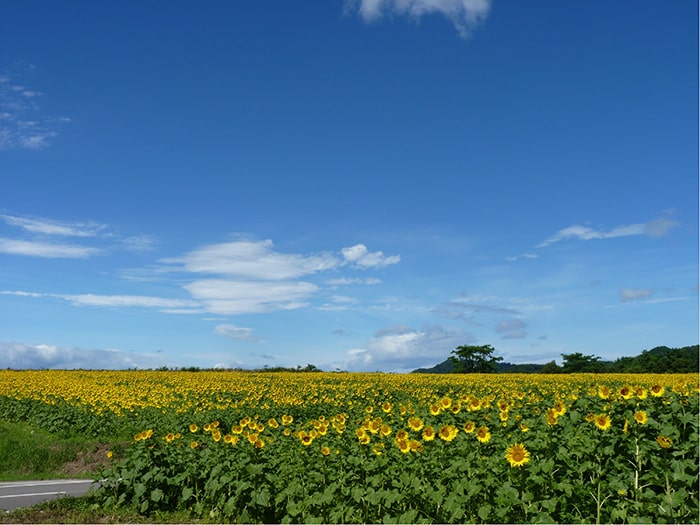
358, 185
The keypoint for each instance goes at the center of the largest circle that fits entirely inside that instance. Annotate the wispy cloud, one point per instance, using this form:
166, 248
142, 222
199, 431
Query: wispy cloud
512, 329
236, 332
49, 227
631, 294
47, 250
23, 125
465, 15
656, 228
45, 238
116, 301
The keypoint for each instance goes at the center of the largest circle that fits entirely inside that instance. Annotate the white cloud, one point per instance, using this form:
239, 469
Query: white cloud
233, 297
48, 227
236, 332
252, 259
41, 356
464, 14
46, 250
116, 301
22, 123
361, 257
656, 228
343, 281
512, 329
630, 294
402, 349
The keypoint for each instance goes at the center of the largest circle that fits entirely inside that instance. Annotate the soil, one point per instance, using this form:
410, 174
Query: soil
88, 462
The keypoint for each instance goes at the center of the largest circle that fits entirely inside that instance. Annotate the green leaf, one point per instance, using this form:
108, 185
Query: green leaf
484, 512
187, 493
156, 495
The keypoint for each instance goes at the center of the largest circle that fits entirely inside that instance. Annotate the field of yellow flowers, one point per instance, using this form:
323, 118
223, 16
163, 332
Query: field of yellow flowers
357, 448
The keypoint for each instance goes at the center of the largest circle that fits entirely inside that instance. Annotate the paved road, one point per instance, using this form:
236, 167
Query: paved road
15, 494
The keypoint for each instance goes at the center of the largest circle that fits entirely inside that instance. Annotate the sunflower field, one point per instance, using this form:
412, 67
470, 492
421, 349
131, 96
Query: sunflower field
356, 448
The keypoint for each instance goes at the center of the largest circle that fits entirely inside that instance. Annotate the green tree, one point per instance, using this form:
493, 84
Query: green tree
551, 368
577, 362
474, 359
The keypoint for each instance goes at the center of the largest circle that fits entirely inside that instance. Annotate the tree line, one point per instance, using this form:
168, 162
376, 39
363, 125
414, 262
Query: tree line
661, 359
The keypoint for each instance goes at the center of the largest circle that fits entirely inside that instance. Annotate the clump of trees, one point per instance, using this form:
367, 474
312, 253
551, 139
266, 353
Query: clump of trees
658, 360
474, 359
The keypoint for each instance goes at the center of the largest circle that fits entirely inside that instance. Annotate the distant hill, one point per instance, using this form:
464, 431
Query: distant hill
660, 360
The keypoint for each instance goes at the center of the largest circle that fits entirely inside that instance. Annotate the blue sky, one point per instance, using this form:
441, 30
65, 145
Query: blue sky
360, 185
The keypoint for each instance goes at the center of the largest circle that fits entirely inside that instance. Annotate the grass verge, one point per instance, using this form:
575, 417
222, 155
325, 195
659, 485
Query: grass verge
30, 453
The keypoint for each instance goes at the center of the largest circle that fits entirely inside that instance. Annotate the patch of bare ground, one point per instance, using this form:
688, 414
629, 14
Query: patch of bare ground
88, 461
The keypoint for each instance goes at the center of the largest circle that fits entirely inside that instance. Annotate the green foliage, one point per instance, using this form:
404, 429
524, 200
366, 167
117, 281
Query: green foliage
474, 359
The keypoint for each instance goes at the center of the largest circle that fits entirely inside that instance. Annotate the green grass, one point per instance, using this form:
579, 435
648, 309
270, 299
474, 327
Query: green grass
31, 453
83, 510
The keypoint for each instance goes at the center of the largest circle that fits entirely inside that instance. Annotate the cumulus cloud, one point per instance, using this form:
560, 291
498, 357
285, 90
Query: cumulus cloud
630, 294
400, 348
656, 228
236, 332
252, 259
361, 257
465, 15
42, 356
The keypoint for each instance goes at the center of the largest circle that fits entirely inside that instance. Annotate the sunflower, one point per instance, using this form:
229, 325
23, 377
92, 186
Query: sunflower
640, 417
469, 427
194, 444
306, 440
448, 432
236, 429
434, 409
446, 402
401, 435
483, 434
325, 451
604, 392
193, 428
559, 408
640, 392
474, 404
287, 420
626, 392
385, 430
517, 455
415, 424
657, 390
416, 446
664, 442
259, 443
428, 433
602, 421
404, 445
386, 407
216, 435
228, 438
